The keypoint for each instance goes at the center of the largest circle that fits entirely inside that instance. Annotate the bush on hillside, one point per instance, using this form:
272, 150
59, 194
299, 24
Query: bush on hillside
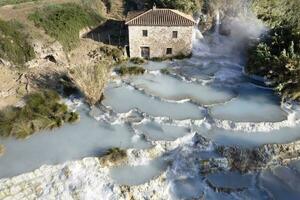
42, 110
64, 21
13, 43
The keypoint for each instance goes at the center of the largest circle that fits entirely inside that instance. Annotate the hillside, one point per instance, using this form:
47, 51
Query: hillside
42, 42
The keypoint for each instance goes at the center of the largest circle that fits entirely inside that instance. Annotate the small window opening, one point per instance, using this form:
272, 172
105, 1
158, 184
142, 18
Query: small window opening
145, 33
169, 51
175, 34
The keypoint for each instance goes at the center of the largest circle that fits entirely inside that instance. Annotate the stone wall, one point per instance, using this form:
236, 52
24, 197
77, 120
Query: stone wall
159, 39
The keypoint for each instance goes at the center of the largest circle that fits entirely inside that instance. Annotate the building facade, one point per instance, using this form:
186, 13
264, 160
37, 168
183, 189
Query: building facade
160, 33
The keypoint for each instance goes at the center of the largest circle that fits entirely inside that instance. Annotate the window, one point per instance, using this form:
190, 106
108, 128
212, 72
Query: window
175, 34
169, 51
145, 33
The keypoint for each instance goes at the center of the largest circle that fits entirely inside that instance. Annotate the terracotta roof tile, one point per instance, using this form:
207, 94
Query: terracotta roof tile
159, 17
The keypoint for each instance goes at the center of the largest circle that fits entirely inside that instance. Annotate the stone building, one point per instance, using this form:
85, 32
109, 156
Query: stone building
159, 33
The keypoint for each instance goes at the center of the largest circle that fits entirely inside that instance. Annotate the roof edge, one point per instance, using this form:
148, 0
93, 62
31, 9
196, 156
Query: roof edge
189, 17
138, 16
177, 12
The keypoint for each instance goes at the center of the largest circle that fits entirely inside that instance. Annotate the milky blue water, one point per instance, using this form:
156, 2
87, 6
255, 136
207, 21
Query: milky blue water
207, 94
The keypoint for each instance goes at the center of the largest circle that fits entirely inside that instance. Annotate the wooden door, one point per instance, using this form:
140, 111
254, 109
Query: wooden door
145, 52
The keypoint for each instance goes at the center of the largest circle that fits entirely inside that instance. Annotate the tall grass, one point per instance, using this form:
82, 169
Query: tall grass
13, 43
42, 110
64, 21
91, 80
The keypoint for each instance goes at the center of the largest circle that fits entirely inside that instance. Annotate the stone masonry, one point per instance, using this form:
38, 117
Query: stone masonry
159, 39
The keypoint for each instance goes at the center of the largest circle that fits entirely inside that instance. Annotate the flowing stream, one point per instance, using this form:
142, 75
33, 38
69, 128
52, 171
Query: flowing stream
208, 94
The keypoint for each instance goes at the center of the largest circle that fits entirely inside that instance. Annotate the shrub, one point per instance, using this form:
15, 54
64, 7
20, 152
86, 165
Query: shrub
277, 55
114, 156
111, 53
182, 56
133, 70
13, 43
42, 110
137, 61
165, 71
64, 21
177, 57
278, 59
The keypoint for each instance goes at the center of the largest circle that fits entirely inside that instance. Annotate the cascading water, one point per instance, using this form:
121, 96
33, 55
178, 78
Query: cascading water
217, 23
198, 35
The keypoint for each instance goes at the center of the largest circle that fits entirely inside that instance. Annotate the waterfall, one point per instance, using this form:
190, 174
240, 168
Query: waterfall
218, 22
197, 33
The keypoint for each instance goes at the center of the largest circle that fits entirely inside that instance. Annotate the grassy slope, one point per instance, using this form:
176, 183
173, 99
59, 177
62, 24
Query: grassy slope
277, 55
13, 43
11, 2
64, 21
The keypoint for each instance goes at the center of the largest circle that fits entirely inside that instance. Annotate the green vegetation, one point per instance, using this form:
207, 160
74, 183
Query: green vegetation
187, 6
278, 13
165, 71
177, 57
137, 61
64, 21
13, 43
11, 2
114, 156
130, 70
42, 110
277, 55
111, 54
